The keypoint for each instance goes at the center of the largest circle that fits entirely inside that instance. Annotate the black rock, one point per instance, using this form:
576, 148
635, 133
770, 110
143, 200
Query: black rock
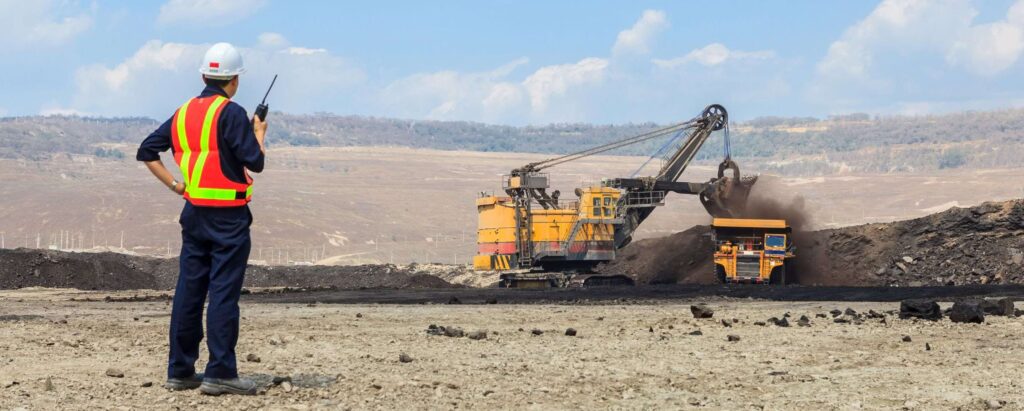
761, 323
804, 321
445, 331
835, 313
821, 315
726, 323
927, 347
650, 329
701, 311
536, 331
906, 338
732, 338
696, 333
477, 335
850, 312
1002, 306
780, 322
967, 312
840, 320
453, 332
923, 309
570, 332
404, 358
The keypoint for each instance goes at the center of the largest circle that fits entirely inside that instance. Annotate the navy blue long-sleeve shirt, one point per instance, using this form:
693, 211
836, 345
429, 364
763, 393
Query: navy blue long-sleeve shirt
235, 137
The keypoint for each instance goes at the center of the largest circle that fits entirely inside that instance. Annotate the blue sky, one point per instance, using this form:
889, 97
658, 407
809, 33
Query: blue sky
520, 62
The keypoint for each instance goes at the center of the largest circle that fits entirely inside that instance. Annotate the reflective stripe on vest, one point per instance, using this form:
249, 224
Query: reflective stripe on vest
195, 126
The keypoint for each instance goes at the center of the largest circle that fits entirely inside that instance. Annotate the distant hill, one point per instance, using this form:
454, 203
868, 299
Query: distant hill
796, 146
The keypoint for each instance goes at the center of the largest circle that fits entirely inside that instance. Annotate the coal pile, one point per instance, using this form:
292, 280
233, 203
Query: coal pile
976, 245
683, 257
22, 268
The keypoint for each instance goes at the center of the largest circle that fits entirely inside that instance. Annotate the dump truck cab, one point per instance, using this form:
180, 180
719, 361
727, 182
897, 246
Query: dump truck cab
751, 250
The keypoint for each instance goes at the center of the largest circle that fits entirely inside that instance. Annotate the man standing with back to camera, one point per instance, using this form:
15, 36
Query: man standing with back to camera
214, 143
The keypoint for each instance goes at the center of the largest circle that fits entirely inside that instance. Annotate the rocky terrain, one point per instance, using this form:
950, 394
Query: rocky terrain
976, 245
58, 351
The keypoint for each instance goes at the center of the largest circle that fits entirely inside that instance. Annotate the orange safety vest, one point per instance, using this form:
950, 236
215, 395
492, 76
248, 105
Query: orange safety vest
194, 136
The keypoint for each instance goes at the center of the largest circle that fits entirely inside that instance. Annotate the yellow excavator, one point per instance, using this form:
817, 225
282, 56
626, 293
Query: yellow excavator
538, 239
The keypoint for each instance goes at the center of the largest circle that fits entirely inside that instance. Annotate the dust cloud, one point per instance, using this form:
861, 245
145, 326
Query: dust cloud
770, 198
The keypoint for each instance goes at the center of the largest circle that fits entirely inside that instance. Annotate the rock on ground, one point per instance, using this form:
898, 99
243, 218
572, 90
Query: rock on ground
967, 312
923, 309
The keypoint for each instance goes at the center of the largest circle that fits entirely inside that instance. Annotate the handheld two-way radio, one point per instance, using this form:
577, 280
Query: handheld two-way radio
263, 108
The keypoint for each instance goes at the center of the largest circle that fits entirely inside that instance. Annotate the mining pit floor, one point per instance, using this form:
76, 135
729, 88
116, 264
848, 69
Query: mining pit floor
633, 348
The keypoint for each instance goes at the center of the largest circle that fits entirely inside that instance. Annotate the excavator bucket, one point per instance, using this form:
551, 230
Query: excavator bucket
726, 196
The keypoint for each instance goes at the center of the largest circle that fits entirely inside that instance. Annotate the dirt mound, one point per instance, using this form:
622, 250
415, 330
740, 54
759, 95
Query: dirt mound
683, 257
977, 245
110, 271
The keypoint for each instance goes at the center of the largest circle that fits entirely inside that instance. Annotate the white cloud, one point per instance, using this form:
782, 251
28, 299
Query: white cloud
160, 75
503, 96
273, 41
637, 39
988, 49
897, 27
900, 28
554, 81
494, 95
42, 23
207, 12
484, 96
712, 55
55, 110
303, 51
906, 53
599, 88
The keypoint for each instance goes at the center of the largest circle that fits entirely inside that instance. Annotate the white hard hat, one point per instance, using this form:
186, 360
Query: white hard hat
222, 62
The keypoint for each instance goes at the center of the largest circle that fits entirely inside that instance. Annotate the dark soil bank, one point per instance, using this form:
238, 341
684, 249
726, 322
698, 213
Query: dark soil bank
110, 271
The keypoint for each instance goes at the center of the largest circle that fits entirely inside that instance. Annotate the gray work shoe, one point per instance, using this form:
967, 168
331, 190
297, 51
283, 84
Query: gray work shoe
187, 383
218, 386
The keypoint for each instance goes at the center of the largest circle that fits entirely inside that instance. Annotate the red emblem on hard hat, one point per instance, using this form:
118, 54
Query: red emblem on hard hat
214, 64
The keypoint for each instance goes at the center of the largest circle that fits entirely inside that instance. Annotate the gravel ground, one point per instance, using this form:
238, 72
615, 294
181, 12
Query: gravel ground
55, 353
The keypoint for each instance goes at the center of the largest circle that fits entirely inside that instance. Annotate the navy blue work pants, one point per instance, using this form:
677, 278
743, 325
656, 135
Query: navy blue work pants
214, 252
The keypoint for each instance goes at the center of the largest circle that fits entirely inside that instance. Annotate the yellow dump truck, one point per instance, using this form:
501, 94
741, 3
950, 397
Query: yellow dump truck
751, 251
